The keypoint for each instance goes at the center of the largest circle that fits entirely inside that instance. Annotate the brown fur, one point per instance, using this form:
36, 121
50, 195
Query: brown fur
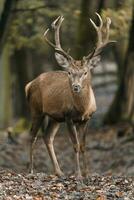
50, 94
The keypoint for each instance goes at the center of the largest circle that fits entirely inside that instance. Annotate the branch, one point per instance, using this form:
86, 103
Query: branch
34, 9
5, 20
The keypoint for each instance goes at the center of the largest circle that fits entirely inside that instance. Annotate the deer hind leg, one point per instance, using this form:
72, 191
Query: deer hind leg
74, 138
48, 137
82, 129
36, 123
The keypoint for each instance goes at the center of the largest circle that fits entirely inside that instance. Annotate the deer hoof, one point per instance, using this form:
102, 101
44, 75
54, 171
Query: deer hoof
79, 176
31, 171
59, 173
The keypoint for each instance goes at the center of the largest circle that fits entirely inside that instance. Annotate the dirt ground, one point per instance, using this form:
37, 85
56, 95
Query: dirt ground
110, 156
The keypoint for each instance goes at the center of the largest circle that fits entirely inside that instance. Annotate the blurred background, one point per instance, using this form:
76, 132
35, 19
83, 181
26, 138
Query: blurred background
24, 55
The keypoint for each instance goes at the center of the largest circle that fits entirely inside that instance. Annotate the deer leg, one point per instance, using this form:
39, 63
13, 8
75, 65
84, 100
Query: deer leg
48, 137
82, 128
74, 138
36, 123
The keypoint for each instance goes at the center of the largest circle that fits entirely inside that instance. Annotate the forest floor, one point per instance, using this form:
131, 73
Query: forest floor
110, 156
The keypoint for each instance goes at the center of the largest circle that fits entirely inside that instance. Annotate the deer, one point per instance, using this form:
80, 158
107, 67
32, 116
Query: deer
65, 96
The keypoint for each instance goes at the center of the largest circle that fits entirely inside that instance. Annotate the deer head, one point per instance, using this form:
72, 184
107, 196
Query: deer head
79, 70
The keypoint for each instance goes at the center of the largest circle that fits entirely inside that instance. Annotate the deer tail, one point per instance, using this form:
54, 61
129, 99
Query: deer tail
27, 90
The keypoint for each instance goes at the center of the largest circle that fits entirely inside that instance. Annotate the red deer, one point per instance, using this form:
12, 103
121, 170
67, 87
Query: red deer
65, 96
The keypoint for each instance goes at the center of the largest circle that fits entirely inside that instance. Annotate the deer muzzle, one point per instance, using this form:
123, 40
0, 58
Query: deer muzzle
76, 88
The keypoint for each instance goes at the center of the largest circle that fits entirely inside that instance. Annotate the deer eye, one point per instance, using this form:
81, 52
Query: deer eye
69, 73
85, 73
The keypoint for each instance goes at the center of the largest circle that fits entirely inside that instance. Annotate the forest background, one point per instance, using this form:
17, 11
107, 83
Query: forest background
24, 54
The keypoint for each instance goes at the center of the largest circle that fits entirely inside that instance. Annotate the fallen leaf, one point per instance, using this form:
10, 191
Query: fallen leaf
119, 194
101, 197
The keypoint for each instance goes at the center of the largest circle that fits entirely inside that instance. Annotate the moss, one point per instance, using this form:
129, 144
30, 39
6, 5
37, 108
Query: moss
5, 87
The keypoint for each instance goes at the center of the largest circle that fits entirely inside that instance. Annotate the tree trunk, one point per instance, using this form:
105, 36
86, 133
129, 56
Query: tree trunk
25, 66
122, 108
86, 34
129, 78
20, 78
5, 76
5, 88
5, 20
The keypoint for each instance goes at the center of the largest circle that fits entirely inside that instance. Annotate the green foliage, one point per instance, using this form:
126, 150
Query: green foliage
1, 5
25, 29
20, 126
121, 20
31, 19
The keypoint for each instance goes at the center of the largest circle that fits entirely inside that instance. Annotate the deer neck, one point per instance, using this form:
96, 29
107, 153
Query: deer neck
81, 100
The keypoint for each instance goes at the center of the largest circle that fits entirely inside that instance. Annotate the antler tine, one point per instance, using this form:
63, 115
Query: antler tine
100, 19
98, 29
57, 46
101, 41
54, 22
94, 25
59, 20
56, 26
107, 28
48, 41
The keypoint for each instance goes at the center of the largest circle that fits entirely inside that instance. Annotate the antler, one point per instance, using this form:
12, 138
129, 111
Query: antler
57, 46
101, 40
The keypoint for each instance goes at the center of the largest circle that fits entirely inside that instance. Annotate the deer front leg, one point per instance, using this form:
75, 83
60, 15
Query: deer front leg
74, 137
48, 137
82, 129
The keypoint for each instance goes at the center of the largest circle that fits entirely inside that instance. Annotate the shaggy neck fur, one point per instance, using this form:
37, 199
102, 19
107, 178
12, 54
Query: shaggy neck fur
80, 100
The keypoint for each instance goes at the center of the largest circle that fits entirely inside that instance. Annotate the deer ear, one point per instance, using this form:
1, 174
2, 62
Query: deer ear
62, 61
94, 62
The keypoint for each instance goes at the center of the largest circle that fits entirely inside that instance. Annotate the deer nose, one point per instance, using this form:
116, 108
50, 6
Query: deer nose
76, 88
